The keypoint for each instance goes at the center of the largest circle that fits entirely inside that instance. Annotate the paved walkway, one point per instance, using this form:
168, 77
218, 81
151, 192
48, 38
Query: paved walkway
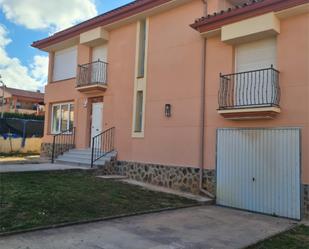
193, 228
36, 167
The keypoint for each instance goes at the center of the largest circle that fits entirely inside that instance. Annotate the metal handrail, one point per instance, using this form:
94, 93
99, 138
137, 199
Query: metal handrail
252, 71
92, 73
255, 88
102, 144
62, 142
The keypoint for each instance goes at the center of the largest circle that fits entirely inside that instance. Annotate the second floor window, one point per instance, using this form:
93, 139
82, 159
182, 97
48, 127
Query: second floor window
142, 48
65, 64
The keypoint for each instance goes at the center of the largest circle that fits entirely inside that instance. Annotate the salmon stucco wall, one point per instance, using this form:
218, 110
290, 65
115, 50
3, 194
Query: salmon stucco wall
293, 64
65, 91
173, 77
174, 73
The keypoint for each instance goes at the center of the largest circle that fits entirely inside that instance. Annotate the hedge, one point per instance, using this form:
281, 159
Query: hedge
23, 116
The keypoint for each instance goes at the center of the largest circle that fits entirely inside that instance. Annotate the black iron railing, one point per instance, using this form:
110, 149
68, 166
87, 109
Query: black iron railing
258, 88
92, 73
63, 142
102, 144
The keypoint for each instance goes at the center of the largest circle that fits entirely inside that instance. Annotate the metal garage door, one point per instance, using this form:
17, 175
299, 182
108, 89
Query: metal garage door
259, 170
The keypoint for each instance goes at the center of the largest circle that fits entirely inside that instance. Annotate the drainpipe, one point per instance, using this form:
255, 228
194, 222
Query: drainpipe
203, 102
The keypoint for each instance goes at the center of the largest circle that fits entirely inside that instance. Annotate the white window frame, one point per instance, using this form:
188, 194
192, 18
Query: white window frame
59, 124
140, 84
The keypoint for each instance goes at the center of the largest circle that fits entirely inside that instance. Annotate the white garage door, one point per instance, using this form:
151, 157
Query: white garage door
259, 170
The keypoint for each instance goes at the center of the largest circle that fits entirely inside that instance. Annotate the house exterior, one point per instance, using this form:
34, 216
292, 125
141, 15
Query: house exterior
203, 96
21, 101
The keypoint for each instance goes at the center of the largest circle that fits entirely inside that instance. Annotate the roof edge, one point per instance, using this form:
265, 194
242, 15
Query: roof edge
248, 10
125, 11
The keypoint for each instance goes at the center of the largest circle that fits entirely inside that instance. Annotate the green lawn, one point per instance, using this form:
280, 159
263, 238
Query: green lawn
44, 198
297, 238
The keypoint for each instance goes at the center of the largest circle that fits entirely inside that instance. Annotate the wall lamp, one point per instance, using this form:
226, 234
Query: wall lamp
168, 110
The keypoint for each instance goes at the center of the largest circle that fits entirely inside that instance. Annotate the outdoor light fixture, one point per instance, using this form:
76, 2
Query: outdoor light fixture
85, 103
168, 110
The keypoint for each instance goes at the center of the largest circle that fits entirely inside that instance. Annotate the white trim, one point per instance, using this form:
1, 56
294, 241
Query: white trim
140, 83
251, 109
59, 122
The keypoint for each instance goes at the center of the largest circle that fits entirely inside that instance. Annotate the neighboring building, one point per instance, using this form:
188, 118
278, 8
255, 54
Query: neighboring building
227, 93
22, 101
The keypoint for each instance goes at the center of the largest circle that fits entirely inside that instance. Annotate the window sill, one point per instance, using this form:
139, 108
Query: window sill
53, 134
138, 134
58, 81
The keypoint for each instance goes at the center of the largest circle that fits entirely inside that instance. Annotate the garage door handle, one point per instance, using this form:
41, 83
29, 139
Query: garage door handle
253, 179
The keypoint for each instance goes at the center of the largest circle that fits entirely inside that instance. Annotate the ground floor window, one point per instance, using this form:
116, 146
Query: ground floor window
62, 117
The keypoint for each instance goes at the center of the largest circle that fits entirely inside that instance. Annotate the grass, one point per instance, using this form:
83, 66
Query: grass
44, 198
297, 238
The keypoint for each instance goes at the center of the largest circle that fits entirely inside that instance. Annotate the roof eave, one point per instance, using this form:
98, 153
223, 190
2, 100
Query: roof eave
259, 8
102, 20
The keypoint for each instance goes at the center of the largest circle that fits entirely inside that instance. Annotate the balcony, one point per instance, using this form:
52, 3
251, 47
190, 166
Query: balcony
250, 95
92, 77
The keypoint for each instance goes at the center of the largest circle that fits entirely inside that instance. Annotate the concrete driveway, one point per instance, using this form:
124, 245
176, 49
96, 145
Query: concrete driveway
192, 228
36, 167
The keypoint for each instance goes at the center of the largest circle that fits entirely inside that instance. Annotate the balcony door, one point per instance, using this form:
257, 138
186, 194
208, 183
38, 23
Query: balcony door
99, 53
253, 87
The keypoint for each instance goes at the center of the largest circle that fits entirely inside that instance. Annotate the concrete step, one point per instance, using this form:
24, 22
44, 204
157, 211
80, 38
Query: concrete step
75, 156
80, 152
70, 156
72, 163
84, 161
82, 157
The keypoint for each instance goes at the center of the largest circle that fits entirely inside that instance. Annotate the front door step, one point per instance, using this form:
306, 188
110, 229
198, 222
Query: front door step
78, 157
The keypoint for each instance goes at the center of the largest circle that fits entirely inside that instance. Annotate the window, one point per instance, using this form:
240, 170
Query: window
142, 49
62, 117
254, 88
139, 112
139, 99
256, 55
65, 64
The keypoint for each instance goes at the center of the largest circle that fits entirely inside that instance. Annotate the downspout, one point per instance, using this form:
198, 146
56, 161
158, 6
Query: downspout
203, 108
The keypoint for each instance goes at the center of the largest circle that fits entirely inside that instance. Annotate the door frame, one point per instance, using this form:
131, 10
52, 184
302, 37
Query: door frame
301, 192
101, 104
91, 101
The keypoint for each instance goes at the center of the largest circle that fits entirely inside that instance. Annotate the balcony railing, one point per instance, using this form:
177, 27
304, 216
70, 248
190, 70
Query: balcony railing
94, 73
258, 88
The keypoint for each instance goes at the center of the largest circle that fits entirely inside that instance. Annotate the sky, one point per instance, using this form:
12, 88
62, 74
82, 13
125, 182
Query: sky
25, 21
